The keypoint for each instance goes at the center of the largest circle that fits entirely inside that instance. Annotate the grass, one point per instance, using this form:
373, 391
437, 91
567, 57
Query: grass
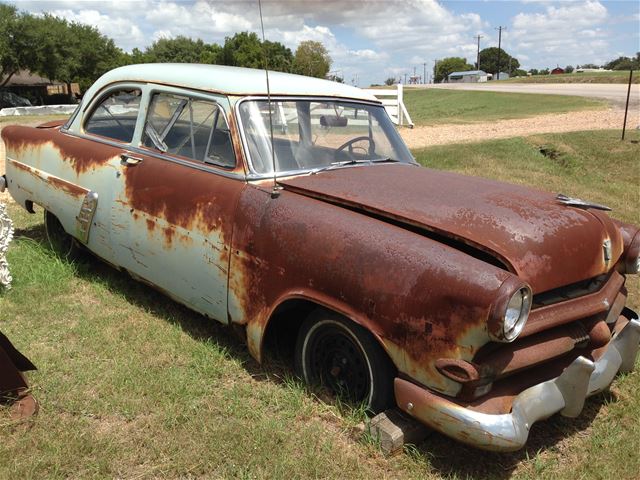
440, 106
133, 385
587, 77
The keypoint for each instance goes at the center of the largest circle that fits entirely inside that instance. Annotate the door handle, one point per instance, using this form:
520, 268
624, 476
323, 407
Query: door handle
129, 161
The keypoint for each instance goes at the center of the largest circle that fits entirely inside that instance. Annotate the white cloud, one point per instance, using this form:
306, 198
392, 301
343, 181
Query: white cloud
566, 34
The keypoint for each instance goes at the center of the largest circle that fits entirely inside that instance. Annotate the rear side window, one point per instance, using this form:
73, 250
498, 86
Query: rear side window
192, 128
116, 115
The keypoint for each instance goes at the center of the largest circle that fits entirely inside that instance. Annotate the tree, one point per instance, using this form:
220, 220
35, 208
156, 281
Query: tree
244, 49
75, 52
568, 69
279, 57
390, 81
20, 42
624, 63
182, 50
545, 72
489, 61
312, 59
591, 65
534, 71
448, 65
520, 73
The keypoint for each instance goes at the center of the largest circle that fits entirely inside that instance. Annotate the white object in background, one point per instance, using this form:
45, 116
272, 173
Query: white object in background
393, 102
38, 110
6, 235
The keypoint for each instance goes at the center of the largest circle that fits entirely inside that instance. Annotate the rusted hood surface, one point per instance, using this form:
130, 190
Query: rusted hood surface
546, 243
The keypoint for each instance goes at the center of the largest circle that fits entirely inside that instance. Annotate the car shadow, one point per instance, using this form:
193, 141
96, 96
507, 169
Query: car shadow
446, 456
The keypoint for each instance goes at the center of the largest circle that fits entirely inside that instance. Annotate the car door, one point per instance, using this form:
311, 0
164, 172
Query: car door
174, 206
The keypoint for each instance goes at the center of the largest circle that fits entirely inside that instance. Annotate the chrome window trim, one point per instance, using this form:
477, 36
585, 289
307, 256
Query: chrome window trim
144, 151
253, 175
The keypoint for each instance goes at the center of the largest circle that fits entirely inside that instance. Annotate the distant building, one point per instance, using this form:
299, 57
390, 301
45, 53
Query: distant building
472, 76
36, 88
503, 76
557, 71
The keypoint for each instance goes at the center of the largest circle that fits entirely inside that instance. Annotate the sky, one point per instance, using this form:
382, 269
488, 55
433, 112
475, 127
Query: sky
371, 40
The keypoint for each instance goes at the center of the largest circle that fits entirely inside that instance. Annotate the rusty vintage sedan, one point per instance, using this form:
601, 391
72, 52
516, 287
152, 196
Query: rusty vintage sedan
298, 213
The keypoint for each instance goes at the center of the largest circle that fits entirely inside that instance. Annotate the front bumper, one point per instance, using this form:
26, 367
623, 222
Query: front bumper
507, 432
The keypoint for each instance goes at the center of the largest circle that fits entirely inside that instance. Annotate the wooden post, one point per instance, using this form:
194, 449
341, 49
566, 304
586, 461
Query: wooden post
400, 101
626, 108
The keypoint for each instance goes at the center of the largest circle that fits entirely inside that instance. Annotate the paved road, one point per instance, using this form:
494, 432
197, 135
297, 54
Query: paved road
616, 93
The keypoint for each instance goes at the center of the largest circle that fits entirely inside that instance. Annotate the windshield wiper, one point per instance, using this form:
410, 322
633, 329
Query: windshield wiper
345, 163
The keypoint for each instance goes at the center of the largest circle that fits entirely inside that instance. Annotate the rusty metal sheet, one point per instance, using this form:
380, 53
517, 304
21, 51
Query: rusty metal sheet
422, 299
546, 243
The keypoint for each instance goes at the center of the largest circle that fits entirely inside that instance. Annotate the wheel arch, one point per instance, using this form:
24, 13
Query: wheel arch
285, 317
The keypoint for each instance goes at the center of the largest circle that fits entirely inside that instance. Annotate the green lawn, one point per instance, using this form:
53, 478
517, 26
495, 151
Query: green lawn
439, 106
587, 77
133, 385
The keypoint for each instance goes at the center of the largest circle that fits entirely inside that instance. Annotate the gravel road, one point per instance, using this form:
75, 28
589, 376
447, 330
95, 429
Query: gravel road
420, 137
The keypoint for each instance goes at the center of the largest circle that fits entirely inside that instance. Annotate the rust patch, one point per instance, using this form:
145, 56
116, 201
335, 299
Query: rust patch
82, 154
151, 225
168, 233
67, 187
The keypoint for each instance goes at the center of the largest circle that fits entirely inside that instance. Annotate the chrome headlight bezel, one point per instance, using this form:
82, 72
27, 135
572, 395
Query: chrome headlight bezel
511, 312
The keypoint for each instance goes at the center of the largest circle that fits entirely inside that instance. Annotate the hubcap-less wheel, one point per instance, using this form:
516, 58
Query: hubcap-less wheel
60, 241
343, 357
337, 362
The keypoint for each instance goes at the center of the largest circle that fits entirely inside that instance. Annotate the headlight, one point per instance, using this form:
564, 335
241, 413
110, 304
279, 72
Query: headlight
517, 313
510, 316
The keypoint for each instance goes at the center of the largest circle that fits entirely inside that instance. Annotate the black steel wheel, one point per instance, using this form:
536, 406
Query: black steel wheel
343, 357
60, 241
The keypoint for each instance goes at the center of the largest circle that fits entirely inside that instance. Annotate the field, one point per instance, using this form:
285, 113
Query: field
133, 385
440, 106
587, 77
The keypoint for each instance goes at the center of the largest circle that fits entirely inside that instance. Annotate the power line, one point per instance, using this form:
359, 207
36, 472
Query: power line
500, 29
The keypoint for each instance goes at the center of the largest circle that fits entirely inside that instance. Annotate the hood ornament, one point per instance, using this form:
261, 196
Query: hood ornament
576, 202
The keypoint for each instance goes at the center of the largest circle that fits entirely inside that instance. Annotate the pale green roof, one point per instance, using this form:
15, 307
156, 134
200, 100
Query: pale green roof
228, 80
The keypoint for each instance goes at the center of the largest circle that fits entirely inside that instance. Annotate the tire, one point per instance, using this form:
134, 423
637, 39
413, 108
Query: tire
63, 244
343, 357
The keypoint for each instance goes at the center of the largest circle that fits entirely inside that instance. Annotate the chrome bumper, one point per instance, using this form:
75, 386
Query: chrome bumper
565, 394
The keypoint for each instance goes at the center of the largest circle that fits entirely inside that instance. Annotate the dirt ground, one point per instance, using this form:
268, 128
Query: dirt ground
420, 137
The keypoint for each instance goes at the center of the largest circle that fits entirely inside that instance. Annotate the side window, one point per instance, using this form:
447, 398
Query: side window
116, 115
191, 128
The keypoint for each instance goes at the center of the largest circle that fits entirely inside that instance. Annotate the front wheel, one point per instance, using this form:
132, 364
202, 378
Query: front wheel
343, 357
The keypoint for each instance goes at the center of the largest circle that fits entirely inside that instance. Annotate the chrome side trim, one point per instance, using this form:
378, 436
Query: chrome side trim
507, 432
85, 217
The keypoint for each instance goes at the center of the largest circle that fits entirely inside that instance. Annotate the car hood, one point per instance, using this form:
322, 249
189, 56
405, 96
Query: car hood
544, 242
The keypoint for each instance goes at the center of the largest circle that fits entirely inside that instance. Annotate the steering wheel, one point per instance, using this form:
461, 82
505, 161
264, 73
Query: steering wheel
349, 144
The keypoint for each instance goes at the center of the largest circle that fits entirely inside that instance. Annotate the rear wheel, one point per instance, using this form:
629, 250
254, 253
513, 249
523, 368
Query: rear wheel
59, 240
343, 357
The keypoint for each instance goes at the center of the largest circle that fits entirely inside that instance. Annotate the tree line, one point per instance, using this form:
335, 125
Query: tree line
511, 65
72, 52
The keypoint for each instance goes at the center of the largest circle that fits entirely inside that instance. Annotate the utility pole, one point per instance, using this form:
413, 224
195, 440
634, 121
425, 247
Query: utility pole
405, 78
478, 56
435, 68
424, 72
500, 29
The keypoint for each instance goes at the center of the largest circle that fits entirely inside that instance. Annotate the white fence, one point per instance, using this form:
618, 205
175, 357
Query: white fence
39, 110
392, 99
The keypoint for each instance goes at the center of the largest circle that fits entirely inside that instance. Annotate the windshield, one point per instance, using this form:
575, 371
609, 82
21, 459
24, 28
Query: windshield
312, 134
